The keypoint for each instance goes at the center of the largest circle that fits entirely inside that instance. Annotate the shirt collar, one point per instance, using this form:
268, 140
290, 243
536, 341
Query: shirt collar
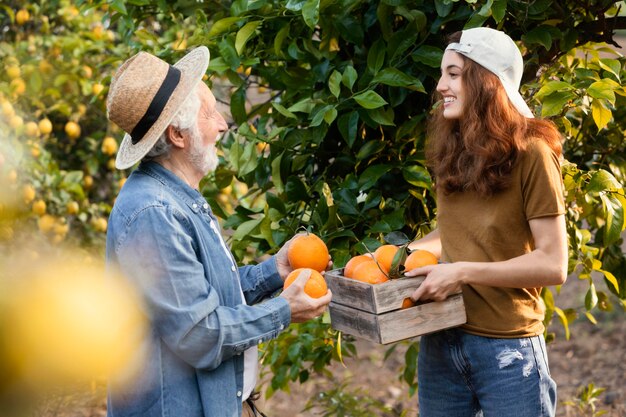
189, 195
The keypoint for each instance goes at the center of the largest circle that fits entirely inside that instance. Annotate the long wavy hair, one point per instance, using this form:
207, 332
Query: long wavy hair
478, 151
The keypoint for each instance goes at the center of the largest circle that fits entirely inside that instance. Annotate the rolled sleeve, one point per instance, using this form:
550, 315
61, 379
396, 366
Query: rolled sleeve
260, 281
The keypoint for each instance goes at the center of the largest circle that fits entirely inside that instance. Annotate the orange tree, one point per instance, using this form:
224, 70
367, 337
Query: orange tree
330, 98
336, 94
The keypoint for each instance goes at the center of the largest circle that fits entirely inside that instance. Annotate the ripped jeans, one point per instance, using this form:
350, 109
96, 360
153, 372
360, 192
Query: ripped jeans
462, 375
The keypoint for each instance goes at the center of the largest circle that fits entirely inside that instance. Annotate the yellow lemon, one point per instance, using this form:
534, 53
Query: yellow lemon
46, 223
87, 71
99, 224
72, 208
13, 71
7, 109
109, 146
73, 323
45, 126
31, 129
22, 16
72, 129
96, 89
87, 181
16, 122
28, 192
18, 86
39, 207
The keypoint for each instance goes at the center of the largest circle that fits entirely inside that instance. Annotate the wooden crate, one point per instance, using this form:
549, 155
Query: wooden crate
373, 312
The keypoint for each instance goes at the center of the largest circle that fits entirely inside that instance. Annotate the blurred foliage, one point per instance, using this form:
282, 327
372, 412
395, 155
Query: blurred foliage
331, 99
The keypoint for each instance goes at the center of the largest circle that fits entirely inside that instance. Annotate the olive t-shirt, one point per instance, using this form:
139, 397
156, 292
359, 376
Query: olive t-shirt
490, 229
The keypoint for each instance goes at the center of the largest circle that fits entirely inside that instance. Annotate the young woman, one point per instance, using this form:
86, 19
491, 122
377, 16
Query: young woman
500, 236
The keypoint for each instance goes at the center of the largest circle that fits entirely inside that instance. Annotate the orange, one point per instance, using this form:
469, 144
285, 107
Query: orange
348, 270
407, 303
308, 251
369, 272
384, 255
315, 287
419, 258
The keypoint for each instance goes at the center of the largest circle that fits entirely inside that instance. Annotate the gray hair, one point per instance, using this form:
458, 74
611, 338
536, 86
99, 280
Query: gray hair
185, 119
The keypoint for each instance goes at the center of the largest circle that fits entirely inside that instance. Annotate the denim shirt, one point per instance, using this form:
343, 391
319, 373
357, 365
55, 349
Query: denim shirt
160, 237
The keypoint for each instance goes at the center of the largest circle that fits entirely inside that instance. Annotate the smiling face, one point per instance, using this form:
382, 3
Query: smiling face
450, 85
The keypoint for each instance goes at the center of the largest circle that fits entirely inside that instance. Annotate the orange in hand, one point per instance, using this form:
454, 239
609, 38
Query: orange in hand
384, 255
308, 251
419, 258
315, 287
369, 272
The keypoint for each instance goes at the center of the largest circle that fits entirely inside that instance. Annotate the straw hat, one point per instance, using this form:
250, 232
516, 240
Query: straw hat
145, 95
496, 51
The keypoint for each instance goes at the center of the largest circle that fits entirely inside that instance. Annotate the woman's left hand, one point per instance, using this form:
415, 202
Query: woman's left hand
441, 281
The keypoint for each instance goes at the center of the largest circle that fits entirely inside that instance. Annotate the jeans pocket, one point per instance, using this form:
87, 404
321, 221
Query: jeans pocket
541, 355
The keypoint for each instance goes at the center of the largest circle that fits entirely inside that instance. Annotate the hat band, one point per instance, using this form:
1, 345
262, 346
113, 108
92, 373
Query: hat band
157, 105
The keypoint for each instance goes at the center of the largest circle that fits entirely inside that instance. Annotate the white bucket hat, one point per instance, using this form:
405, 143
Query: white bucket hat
496, 51
145, 95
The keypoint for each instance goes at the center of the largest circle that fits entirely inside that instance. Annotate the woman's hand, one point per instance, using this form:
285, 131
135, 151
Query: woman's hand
441, 281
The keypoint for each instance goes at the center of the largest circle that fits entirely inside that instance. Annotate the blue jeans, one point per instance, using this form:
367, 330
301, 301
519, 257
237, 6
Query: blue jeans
462, 375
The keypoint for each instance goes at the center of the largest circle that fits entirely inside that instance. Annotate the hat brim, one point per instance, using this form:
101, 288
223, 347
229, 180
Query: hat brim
192, 68
517, 100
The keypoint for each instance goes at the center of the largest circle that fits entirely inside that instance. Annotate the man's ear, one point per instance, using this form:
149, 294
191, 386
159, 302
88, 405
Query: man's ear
175, 136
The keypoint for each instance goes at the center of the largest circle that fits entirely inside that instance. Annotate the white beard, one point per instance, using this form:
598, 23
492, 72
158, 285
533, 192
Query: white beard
204, 159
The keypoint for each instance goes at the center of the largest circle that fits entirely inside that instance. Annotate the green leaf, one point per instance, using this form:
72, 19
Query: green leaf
376, 56
222, 26
279, 39
276, 177
396, 78
540, 35
244, 34
417, 175
238, 105
553, 86
334, 83
245, 229
602, 180
382, 116
428, 55
349, 77
498, 10
611, 65
370, 100
347, 124
555, 103
591, 298
601, 114
369, 148
369, 177
282, 110
614, 219
118, 6
311, 13
602, 89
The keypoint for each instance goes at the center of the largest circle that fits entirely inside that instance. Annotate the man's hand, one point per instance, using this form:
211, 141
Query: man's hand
303, 307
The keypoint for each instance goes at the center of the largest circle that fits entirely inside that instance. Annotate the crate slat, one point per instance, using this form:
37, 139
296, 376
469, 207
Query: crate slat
373, 312
378, 298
